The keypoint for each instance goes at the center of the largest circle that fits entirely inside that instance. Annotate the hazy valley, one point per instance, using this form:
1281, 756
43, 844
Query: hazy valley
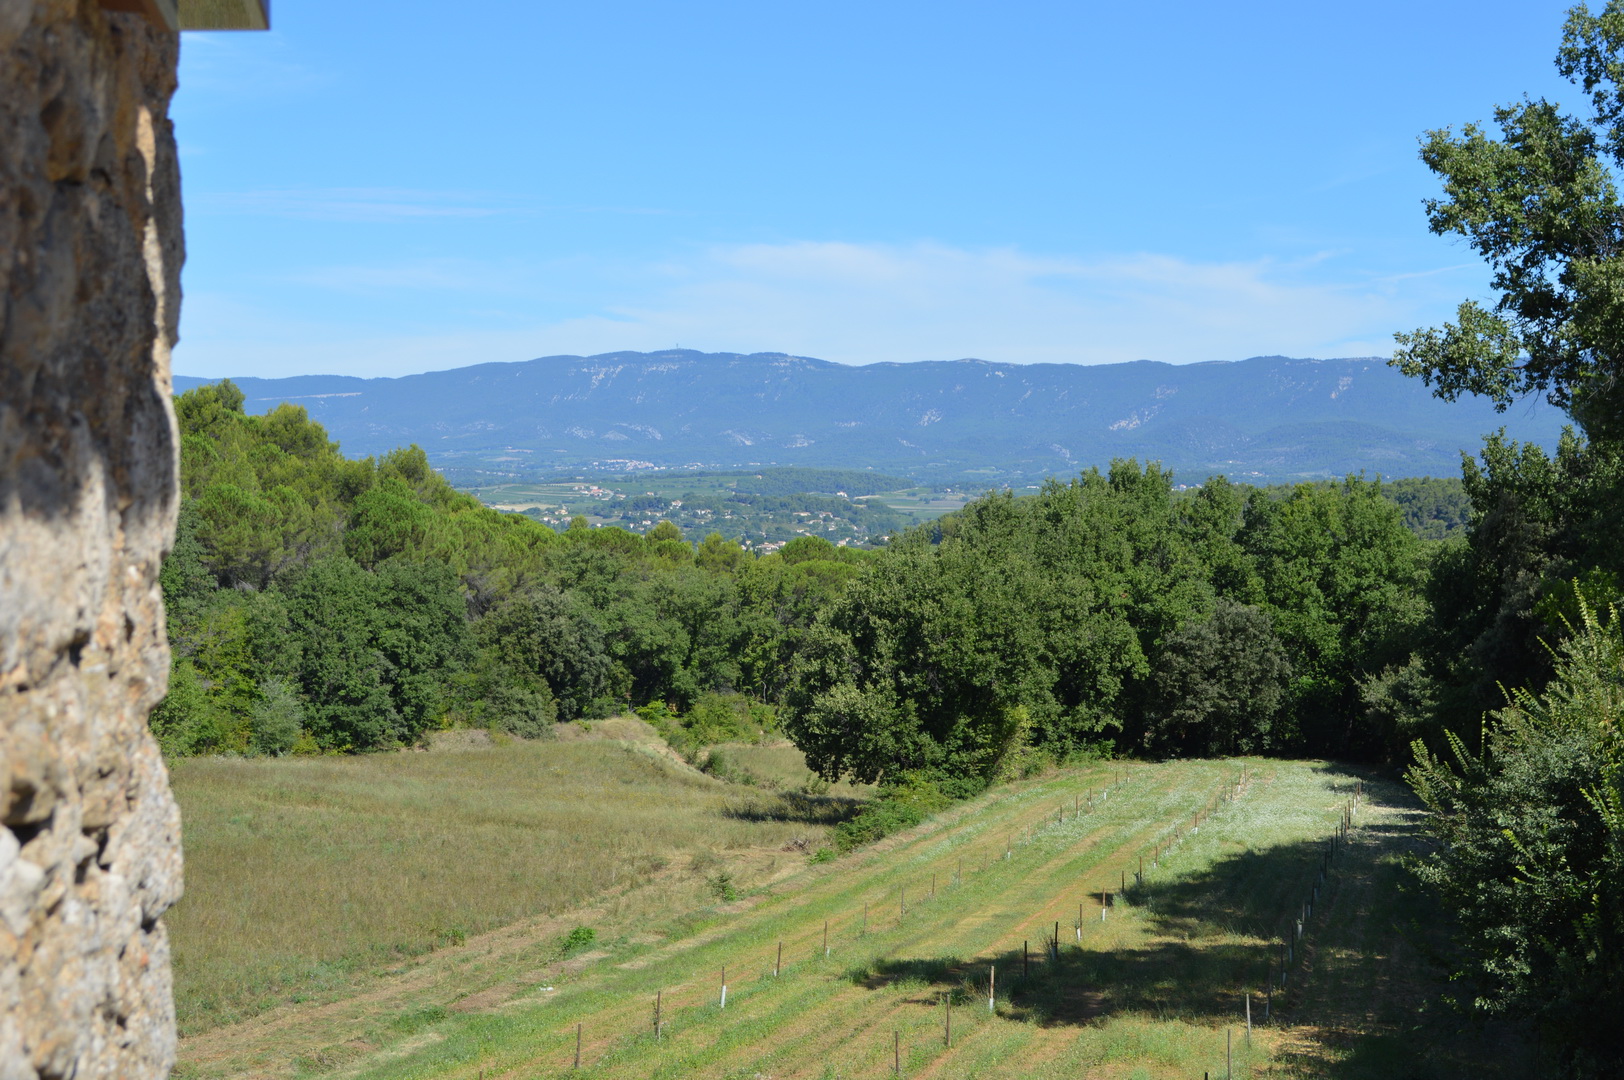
1267, 419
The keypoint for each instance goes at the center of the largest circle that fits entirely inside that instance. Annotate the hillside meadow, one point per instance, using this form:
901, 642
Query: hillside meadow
849, 969
307, 876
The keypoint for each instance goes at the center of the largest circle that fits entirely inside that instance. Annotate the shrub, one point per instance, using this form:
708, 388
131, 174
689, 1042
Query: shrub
881, 819
720, 764
277, 719
1531, 853
718, 718
576, 940
721, 886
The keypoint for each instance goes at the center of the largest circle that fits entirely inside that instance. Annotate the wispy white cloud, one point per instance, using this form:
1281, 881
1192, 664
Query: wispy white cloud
233, 66
350, 204
433, 275
368, 205
858, 303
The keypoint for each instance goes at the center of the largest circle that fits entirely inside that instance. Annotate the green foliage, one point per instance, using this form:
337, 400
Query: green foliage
662, 532
716, 554
875, 823
1538, 522
1400, 702
551, 636
1023, 630
1531, 852
1218, 685
1434, 508
1531, 816
278, 718
317, 603
579, 938
721, 886
185, 722
1342, 579
718, 718
1540, 205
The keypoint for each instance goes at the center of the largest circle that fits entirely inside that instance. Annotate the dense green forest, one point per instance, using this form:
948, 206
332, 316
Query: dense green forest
322, 604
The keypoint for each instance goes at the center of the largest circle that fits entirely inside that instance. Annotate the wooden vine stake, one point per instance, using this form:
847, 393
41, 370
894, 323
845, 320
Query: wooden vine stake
577, 1046
778, 965
826, 939
896, 1053
1249, 1018
659, 996
947, 1030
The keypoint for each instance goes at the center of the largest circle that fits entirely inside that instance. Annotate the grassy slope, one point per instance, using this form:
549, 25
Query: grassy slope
306, 876
1147, 992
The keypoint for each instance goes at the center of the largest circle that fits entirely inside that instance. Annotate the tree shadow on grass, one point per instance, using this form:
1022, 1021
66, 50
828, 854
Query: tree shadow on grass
796, 807
1173, 979
1362, 986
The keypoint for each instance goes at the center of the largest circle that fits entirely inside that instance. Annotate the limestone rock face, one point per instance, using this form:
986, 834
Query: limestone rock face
90, 256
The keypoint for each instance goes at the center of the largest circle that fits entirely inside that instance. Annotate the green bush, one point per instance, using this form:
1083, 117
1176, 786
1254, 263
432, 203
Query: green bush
718, 718
577, 939
277, 719
720, 764
880, 820
721, 886
1531, 853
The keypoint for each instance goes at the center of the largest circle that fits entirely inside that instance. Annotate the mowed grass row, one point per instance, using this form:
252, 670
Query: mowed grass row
304, 877
1147, 991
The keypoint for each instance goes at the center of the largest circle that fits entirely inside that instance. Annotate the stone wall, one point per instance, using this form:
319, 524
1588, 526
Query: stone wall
90, 255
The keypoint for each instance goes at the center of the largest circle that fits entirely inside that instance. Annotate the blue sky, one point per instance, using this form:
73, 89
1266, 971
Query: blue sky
383, 189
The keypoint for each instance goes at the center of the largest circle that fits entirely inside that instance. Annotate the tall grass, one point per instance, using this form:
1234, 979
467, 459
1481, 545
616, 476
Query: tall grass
1154, 991
302, 875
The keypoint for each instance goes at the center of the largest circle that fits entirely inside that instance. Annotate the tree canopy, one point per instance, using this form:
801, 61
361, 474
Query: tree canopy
1540, 205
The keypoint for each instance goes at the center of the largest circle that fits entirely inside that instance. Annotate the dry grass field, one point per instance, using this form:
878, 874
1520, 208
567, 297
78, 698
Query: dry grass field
1156, 988
304, 876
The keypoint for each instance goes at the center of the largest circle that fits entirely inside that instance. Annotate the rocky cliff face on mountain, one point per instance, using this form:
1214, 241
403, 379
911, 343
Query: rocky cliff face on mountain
1268, 418
90, 255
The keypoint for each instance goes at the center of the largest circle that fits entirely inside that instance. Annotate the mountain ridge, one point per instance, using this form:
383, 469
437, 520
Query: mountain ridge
1266, 418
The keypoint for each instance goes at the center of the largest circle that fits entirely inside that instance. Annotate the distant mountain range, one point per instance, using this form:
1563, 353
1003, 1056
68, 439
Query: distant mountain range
1270, 418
